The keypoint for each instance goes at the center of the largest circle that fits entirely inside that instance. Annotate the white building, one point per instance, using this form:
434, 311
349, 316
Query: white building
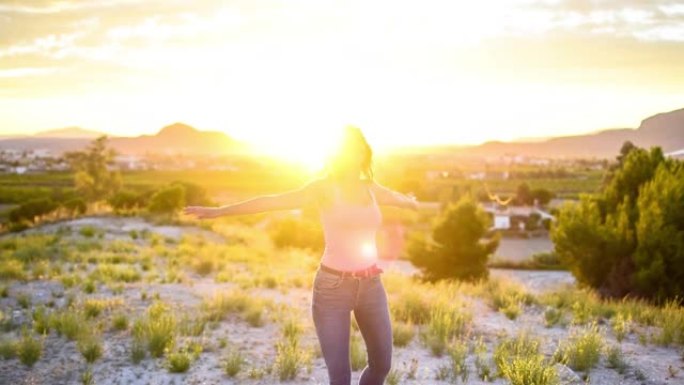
679, 154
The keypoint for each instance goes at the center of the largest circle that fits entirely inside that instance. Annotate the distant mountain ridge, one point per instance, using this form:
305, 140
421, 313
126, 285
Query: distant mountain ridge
69, 132
179, 138
665, 130
176, 138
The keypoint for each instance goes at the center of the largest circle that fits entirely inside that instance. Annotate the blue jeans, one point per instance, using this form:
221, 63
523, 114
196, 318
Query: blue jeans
333, 300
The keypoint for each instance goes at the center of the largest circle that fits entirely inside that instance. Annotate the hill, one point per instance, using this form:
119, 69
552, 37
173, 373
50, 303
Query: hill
69, 132
177, 138
665, 130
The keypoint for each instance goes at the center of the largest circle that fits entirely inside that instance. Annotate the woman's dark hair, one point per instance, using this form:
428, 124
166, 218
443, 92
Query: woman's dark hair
352, 139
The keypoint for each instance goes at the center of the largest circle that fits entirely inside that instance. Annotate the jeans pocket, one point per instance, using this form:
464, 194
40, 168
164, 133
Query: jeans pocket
327, 281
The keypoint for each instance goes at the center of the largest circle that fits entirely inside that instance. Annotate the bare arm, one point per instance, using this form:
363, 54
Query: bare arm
389, 197
283, 201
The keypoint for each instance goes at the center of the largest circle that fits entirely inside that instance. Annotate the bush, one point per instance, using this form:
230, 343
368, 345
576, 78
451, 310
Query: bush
167, 200
627, 240
126, 200
456, 249
29, 348
75, 206
92, 177
31, 209
294, 232
194, 194
582, 351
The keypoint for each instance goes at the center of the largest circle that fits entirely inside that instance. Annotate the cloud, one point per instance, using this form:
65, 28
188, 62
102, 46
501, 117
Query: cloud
658, 20
54, 7
22, 72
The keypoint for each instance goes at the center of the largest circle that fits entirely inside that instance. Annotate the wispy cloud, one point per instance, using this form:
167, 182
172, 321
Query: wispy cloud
24, 72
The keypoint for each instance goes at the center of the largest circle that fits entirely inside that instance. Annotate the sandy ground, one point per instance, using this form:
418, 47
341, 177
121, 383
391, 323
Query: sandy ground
62, 364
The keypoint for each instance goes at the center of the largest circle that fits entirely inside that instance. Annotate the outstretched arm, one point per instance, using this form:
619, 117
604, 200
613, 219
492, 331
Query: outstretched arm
283, 201
389, 197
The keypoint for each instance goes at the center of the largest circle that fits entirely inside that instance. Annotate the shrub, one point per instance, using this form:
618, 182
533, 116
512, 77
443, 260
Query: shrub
233, 363
29, 348
402, 333
616, 359
167, 200
297, 232
67, 322
126, 200
626, 239
8, 348
75, 206
446, 322
157, 329
92, 177
29, 210
582, 351
530, 370
90, 346
522, 345
120, 322
179, 362
456, 249
12, 269
458, 351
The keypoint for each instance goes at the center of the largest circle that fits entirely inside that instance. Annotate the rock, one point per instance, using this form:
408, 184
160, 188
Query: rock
567, 376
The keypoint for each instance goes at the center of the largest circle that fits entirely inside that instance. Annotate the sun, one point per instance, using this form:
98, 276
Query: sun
309, 152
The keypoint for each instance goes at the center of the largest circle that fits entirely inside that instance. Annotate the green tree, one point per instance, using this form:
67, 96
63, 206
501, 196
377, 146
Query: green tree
659, 255
542, 195
629, 238
93, 178
456, 248
523, 195
167, 200
29, 210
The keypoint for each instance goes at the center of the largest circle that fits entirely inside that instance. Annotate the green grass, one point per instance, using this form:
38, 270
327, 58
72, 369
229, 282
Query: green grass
68, 322
518, 359
521, 345
411, 306
616, 359
458, 352
582, 350
402, 333
621, 326
178, 362
447, 321
233, 363
157, 329
8, 348
553, 316
530, 370
120, 322
29, 348
357, 352
90, 346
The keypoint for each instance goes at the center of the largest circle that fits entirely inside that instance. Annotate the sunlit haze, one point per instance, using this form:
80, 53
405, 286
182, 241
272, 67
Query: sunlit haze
279, 74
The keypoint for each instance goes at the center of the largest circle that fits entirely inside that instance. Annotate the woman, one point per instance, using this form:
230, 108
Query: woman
348, 278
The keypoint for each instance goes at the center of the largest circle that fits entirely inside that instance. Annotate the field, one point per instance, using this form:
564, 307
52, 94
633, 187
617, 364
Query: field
121, 300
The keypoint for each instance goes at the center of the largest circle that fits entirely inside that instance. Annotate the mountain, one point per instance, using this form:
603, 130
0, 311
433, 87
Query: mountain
177, 138
69, 133
181, 139
665, 130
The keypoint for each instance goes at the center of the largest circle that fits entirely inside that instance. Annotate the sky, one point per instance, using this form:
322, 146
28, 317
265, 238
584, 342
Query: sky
281, 73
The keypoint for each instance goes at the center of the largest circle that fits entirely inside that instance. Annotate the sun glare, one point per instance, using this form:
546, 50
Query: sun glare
308, 151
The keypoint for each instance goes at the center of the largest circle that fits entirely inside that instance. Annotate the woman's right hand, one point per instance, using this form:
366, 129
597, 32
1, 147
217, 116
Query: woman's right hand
201, 212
